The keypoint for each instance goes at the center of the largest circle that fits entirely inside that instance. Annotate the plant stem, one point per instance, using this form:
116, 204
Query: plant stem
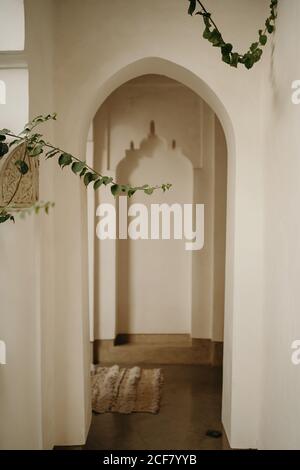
74, 158
208, 14
52, 147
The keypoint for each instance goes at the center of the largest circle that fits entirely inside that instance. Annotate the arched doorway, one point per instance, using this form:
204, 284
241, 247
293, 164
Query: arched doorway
183, 291
95, 95
154, 303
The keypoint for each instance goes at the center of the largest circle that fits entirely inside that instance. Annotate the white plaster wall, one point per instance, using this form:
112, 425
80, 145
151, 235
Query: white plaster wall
20, 403
39, 55
202, 261
280, 413
65, 330
19, 318
38, 408
220, 202
87, 68
20, 398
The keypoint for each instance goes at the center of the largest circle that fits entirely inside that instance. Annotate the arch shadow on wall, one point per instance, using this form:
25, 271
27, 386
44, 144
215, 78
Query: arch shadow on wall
165, 307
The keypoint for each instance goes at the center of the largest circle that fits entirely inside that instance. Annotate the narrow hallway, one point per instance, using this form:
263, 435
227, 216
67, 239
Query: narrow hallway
190, 406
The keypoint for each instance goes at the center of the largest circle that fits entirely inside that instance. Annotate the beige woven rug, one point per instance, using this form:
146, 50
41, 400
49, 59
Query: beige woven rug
126, 391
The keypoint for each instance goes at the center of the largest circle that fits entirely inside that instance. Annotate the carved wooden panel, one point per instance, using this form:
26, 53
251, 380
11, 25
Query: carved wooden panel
25, 188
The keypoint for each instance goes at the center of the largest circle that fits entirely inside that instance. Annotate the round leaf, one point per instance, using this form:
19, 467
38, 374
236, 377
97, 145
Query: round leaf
77, 167
3, 149
115, 189
97, 184
22, 167
65, 159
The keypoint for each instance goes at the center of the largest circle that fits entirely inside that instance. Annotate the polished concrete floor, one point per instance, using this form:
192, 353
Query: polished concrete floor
191, 405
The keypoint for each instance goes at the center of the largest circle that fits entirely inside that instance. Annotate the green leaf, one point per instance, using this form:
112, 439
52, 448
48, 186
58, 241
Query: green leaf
115, 189
89, 177
254, 46
192, 7
77, 167
249, 62
37, 150
263, 38
4, 218
131, 192
98, 183
206, 19
216, 38
207, 33
2, 137
22, 167
269, 26
125, 189
257, 54
3, 149
51, 154
149, 191
166, 187
65, 159
234, 59
84, 170
107, 180
227, 48
226, 58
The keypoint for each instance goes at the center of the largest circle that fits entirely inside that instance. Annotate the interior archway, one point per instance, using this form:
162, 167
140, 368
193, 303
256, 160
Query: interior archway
189, 144
118, 283
186, 77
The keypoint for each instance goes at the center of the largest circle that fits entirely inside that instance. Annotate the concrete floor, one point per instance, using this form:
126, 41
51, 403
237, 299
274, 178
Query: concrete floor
191, 404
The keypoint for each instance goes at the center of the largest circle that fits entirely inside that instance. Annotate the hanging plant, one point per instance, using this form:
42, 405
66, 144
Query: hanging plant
215, 37
37, 147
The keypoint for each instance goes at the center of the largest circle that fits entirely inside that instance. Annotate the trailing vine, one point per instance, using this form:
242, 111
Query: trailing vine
37, 147
214, 36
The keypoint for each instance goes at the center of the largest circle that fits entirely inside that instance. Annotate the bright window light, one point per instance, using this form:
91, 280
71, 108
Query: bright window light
14, 113
12, 30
